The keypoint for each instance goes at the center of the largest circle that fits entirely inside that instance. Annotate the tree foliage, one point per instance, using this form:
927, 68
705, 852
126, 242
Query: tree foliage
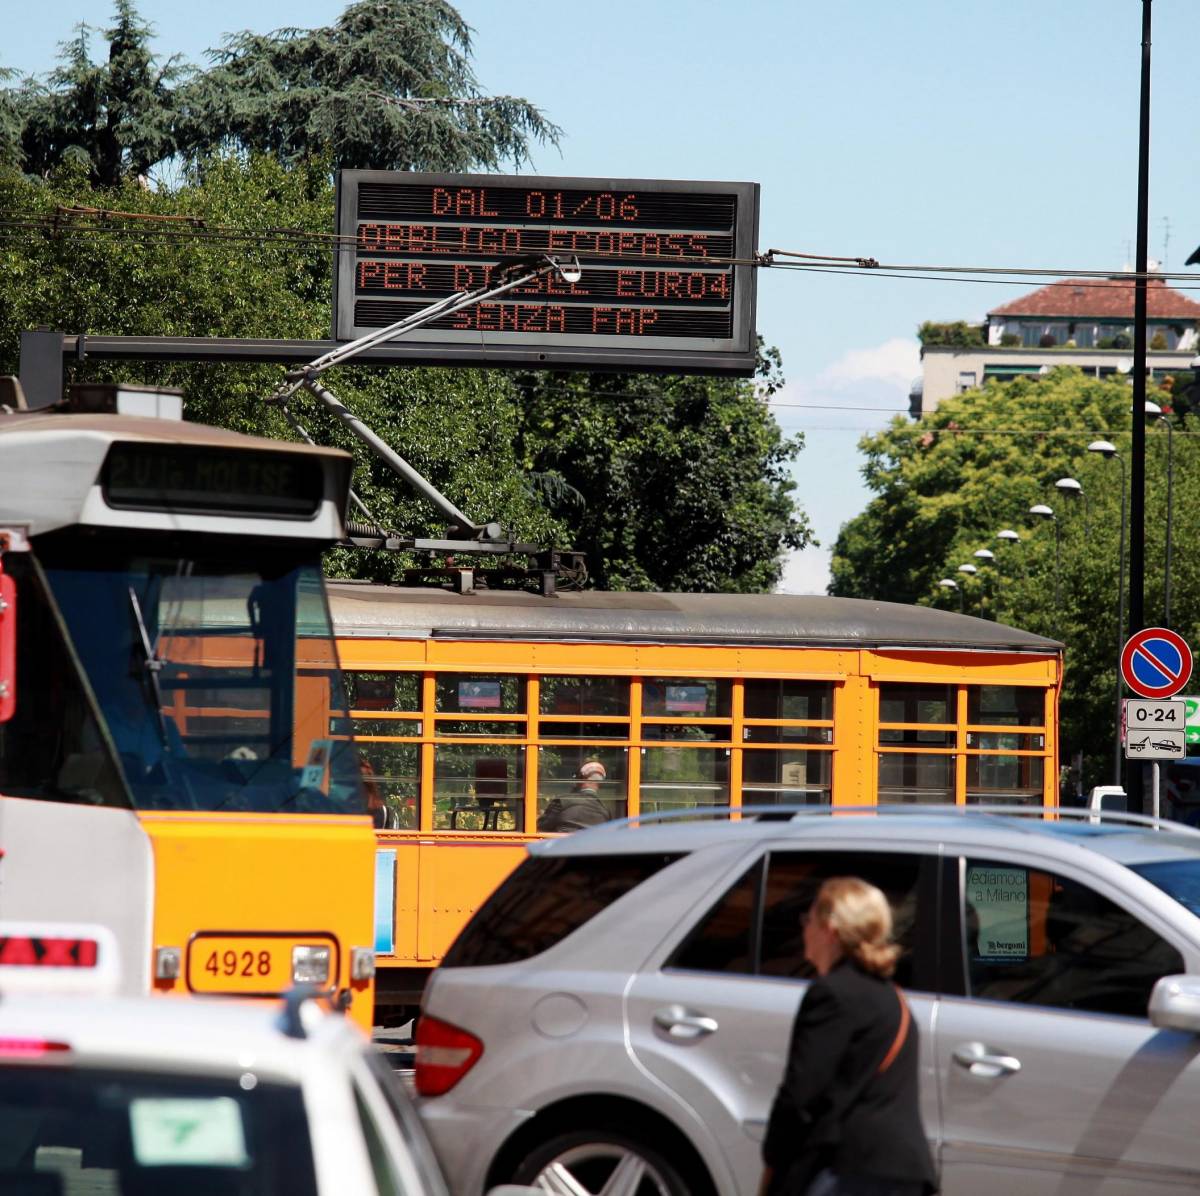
457, 426
672, 483
958, 334
117, 116
945, 486
666, 482
388, 86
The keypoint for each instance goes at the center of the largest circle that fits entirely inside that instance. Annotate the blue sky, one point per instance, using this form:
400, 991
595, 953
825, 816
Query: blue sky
928, 131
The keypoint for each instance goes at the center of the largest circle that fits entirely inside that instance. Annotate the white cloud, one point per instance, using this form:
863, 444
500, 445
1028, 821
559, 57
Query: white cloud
805, 572
861, 391
896, 362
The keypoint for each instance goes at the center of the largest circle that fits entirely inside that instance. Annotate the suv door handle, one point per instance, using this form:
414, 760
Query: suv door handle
980, 1060
684, 1024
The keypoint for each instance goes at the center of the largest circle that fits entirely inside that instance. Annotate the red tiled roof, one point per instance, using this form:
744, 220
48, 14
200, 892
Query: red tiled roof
1101, 298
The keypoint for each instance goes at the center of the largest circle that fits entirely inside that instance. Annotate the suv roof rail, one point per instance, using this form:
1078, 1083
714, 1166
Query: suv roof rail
795, 813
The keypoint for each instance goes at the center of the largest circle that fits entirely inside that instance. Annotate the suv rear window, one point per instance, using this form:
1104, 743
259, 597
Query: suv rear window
545, 900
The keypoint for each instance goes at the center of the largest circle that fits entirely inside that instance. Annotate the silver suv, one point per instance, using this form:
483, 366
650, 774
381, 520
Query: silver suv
615, 1018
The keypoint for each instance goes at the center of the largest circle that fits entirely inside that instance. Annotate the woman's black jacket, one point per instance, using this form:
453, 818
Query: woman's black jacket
833, 1108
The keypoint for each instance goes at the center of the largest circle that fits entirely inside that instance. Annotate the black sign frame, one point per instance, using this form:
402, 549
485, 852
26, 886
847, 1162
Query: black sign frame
731, 354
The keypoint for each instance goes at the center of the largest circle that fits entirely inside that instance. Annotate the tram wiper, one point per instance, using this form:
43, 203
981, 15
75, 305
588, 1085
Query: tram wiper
152, 664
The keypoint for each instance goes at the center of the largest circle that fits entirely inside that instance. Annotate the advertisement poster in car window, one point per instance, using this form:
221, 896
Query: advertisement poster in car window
997, 912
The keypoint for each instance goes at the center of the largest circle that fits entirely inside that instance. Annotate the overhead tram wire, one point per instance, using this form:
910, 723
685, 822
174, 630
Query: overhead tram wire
70, 224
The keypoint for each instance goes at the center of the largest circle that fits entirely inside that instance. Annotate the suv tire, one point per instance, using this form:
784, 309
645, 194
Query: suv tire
592, 1158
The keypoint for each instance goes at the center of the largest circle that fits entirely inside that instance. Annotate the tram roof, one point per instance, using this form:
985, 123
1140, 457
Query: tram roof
51, 462
137, 427
365, 609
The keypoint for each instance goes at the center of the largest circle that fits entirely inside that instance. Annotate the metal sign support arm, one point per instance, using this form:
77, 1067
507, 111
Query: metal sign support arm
398, 465
515, 273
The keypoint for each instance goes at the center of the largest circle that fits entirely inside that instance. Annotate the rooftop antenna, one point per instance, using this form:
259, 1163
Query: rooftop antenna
463, 533
1166, 241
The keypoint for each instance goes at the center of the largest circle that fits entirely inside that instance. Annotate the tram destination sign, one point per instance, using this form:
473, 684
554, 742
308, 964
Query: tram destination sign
665, 284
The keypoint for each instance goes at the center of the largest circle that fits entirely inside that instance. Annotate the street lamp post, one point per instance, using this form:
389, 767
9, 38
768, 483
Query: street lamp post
1109, 453
1070, 488
985, 556
1044, 512
970, 571
948, 583
1154, 414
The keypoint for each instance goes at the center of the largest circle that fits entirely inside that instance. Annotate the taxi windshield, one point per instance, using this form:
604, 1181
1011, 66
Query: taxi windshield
216, 676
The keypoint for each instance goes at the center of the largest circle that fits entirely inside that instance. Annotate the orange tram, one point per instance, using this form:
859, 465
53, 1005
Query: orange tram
473, 713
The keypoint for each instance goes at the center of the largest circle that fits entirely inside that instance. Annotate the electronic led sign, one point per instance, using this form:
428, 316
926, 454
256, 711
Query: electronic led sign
146, 476
665, 282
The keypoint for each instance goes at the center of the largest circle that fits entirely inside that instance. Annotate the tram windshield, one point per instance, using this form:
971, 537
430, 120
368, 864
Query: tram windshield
216, 675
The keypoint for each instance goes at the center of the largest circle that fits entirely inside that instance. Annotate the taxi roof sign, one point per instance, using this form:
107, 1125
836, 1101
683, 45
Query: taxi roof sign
58, 957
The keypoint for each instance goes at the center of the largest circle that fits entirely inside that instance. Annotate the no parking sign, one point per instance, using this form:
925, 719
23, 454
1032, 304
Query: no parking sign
1156, 663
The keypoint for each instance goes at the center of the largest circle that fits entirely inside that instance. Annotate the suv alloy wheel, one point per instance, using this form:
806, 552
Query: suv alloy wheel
601, 1163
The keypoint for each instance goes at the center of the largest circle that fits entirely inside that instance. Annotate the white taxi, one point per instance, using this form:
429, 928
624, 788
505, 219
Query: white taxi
110, 1096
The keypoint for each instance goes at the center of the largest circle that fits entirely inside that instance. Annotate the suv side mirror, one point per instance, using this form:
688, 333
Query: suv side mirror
1175, 1004
8, 647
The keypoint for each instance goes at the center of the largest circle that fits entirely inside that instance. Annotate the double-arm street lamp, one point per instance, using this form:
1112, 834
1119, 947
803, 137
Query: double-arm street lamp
1109, 452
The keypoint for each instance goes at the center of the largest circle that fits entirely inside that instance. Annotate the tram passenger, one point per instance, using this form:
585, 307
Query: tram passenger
582, 805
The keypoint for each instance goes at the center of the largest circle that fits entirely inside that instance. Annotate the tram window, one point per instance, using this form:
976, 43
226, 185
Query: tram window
999, 741
679, 778
1010, 779
564, 730
480, 693
786, 778
52, 747
584, 695
787, 734
392, 780
391, 728
384, 691
916, 704
1006, 705
803, 700
216, 674
696, 732
559, 776
916, 777
479, 787
477, 728
685, 697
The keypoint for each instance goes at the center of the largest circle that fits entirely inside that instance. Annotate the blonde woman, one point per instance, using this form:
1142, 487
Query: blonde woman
846, 1120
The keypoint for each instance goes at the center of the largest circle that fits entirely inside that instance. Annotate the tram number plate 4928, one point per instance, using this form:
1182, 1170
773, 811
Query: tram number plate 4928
240, 964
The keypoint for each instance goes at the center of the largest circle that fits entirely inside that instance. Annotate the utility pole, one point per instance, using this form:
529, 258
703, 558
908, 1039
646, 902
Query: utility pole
1137, 488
